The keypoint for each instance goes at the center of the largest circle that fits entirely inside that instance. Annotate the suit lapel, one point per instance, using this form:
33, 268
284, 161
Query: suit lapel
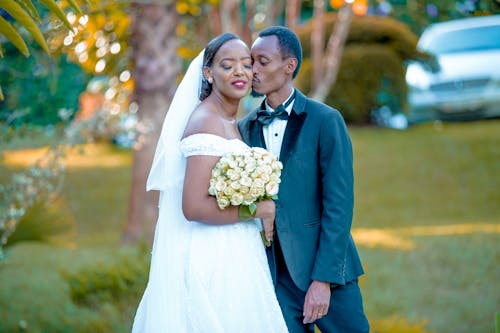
256, 136
295, 122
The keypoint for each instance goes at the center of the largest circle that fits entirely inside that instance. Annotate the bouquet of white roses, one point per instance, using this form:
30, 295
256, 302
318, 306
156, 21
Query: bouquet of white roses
244, 179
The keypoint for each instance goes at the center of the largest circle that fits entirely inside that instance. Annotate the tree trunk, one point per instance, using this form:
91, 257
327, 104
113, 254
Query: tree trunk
215, 21
230, 15
276, 11
334, 51
246, 34
317, 42
156, 67
292, 13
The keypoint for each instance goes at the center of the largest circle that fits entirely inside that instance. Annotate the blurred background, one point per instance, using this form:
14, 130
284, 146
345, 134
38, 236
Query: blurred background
84, 88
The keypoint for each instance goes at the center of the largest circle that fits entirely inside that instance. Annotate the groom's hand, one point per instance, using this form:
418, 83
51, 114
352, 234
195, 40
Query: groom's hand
317, 301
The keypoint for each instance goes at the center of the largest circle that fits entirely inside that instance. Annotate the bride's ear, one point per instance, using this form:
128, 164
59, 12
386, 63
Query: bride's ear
207, 74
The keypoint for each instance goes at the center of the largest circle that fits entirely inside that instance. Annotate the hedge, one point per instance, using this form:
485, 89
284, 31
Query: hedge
372, 71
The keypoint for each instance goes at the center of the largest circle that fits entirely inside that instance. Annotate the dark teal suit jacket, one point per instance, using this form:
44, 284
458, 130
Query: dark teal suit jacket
315, 206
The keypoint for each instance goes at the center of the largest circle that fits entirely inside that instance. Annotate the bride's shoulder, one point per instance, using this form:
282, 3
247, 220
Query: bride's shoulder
204, 120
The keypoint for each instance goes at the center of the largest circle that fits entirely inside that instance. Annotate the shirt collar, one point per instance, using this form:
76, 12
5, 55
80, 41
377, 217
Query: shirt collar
288, 108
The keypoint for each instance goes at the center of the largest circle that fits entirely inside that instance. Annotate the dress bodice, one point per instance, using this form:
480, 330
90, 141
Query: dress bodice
210, 144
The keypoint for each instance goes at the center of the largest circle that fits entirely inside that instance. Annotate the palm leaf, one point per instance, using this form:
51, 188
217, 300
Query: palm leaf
28, 6
15, 38
75, 6
22, 17
54, 8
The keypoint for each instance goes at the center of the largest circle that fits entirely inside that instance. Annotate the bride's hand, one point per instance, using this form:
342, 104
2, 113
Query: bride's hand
266, 210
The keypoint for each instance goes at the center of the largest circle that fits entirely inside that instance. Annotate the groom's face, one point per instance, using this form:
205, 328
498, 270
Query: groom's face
269, 67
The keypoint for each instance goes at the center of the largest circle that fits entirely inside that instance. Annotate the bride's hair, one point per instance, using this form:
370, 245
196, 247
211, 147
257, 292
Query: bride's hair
210, 51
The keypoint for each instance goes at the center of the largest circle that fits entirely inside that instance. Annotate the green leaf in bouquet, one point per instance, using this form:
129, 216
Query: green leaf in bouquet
253, 209
247, 212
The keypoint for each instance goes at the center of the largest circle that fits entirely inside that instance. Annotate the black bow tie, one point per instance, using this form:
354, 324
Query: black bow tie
265, 117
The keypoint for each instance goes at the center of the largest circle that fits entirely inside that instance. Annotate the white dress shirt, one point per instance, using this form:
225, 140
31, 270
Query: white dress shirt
274, 132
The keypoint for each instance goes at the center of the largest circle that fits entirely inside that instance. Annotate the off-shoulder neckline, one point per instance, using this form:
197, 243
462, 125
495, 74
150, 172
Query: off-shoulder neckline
212, 135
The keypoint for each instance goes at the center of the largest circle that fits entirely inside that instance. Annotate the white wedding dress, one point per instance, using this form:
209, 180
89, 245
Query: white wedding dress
222, 284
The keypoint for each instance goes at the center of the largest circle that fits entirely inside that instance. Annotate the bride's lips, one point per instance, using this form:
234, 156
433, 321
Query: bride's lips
240, 84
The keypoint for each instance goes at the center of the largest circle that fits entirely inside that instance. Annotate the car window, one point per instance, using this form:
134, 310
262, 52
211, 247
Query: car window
472, 39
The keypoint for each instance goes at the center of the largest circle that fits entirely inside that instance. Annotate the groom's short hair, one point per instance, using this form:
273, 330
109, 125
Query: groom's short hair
288, 43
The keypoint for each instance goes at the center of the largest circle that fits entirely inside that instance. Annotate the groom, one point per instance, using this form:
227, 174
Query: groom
313, 260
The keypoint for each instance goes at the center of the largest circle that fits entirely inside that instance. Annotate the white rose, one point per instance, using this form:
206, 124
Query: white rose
272, 188
250, 165
232, 163
223, 162
220, 185
260, 151
211, 190
277, 165
246, 181
235, 185
274, 177
222, 202
267, 169
228, 191
259, 170
258, 183
257, 191
236, 199
268, 159
232, 174
244, 189
265, 177
248, 199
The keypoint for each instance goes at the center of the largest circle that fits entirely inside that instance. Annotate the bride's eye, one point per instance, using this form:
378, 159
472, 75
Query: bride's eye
225, 65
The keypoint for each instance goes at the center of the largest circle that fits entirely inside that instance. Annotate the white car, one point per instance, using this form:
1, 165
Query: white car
466, 84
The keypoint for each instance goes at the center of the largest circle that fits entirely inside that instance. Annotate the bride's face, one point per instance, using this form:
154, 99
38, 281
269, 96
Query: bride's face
232, 70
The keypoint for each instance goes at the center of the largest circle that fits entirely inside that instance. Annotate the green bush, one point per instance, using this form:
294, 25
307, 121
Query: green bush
114, 283
372, 67
45, 221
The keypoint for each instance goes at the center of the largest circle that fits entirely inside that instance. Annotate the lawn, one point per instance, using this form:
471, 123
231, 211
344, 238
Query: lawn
427, 224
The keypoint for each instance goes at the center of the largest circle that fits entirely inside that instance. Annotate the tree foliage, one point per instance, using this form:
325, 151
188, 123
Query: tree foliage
25, 14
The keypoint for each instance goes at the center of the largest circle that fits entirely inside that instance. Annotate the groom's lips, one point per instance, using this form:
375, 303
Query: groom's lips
240, 84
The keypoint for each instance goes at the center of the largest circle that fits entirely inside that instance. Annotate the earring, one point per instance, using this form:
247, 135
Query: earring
210, 80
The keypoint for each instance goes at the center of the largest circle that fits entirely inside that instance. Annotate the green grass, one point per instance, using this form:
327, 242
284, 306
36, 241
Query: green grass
428, 177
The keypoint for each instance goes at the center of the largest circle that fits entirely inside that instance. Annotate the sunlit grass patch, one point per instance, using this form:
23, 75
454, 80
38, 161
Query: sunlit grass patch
402, 238
96, 155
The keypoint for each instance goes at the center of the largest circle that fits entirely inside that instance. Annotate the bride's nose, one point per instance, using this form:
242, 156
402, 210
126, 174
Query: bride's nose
238, 70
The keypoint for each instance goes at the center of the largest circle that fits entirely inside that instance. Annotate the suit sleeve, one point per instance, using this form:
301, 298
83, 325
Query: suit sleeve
336, 164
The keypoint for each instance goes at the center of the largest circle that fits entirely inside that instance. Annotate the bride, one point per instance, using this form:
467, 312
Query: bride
210, 275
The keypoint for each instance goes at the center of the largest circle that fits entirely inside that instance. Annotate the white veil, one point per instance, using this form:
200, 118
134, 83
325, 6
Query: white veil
164, 303
166, 169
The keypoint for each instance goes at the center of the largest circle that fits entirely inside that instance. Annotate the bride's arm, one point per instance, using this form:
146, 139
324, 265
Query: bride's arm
199, 206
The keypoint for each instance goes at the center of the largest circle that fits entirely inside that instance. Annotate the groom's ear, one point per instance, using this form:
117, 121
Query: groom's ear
291, 65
